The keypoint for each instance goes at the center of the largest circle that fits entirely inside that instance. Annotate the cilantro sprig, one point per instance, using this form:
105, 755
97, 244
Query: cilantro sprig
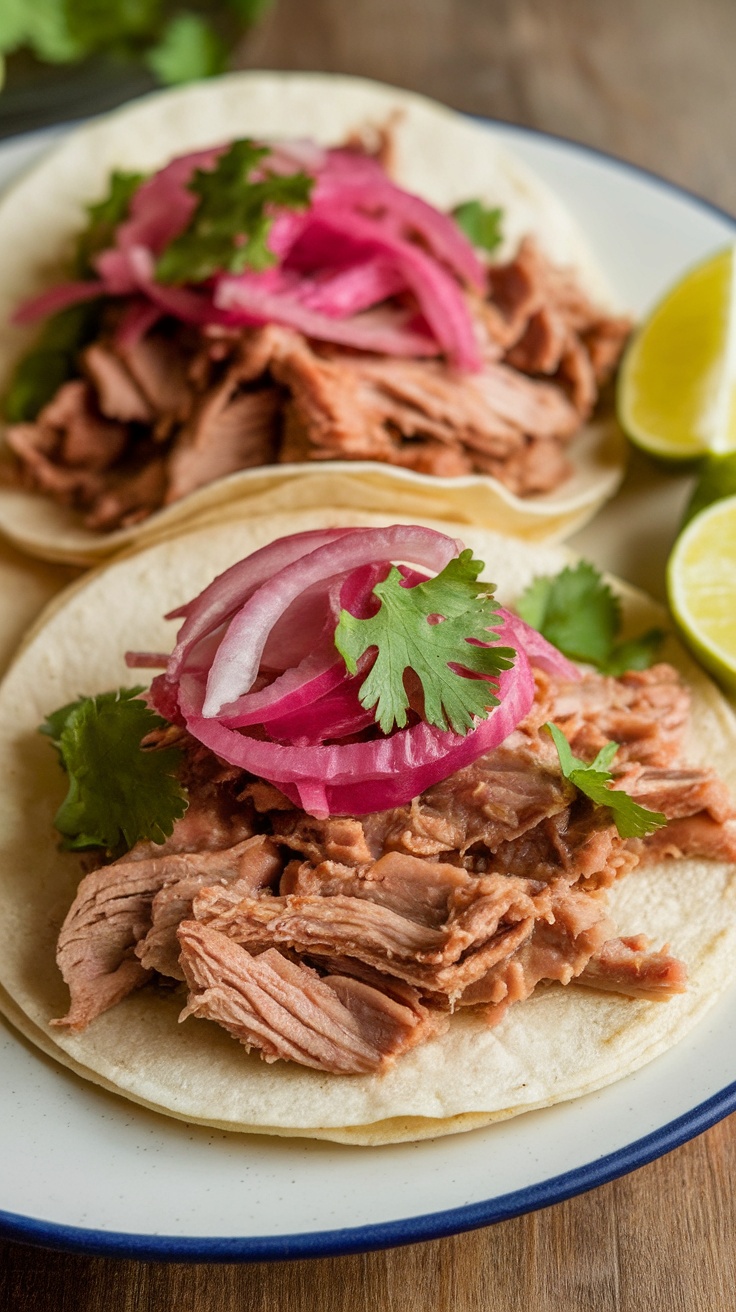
433, 629
229, 228
177, 42
630, 819
118, 793
52, 361
54, 357
482, 226
579, 614
104, 216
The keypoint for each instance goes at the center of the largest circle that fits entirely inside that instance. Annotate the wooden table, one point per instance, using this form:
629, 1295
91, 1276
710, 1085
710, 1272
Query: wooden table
654, 83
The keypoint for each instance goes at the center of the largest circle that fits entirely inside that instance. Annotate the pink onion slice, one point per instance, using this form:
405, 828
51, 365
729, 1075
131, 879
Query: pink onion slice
300, 630
236, 664
540, 652
137, 320
292, 691
347, 291
146, 660
337, 714
56, 299
220, 600
163, 205
364, 776
387, 330
321, 671
438, 295
439, 231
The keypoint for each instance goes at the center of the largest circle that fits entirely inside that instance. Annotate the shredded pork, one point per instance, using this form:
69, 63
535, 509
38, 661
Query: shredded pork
149, 422
341, 943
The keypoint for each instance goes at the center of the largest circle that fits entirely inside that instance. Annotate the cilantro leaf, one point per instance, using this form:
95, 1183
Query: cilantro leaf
53, 360
579, 614
576, 611
111, 24
104, 217
118, 792
630, 819
481, 226
230, 226
407, 639
189, 48
40, 373
66, 31
43, 26
634, 654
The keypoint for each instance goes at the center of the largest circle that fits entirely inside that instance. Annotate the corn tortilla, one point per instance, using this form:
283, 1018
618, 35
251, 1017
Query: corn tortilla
559, 1044
440, 154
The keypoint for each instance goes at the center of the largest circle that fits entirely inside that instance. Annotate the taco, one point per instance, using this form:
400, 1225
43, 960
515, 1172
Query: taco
535, 951
414, 321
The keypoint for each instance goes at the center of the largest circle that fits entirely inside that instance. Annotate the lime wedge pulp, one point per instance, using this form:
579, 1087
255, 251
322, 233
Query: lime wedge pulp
677, 385
701, 585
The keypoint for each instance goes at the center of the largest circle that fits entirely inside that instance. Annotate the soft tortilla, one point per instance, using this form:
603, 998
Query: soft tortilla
440, 155
559, 1044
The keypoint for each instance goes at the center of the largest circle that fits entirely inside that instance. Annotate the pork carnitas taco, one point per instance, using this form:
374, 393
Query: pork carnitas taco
304, 290
371, 859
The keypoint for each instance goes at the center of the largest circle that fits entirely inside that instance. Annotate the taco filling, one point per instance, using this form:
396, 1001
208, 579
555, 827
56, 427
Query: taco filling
259, 304
371, 798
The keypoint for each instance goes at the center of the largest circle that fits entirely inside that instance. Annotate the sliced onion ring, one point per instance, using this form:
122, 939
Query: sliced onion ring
358, 778
306, 731
235, 667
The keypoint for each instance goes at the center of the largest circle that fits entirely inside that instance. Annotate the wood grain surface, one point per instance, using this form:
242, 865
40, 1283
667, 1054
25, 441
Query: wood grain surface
653, 81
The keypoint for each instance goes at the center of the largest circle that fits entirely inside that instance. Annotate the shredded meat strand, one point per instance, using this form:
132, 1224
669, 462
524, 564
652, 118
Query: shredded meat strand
150, 422
340, 943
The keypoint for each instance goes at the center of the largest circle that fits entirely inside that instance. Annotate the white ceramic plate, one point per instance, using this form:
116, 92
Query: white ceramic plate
85, 1170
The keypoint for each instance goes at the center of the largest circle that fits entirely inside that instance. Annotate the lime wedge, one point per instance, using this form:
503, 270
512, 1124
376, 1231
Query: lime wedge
701, 585
677, 385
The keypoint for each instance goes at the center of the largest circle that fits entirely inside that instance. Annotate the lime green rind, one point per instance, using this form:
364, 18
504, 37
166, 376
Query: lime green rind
701, 587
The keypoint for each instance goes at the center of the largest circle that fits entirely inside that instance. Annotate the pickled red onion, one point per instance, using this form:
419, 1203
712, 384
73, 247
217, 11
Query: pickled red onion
538, 649
238, 657
360, 777
362, 241
306, 731
220, 600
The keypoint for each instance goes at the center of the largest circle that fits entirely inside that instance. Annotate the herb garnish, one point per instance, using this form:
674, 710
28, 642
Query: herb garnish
630, 819
230, 226
481, 226
118, 793
104, 217
53, 360
581, 616
406, 637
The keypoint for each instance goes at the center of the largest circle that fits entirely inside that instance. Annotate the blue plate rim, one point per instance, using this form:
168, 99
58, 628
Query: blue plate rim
433, 1225
388, 1234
